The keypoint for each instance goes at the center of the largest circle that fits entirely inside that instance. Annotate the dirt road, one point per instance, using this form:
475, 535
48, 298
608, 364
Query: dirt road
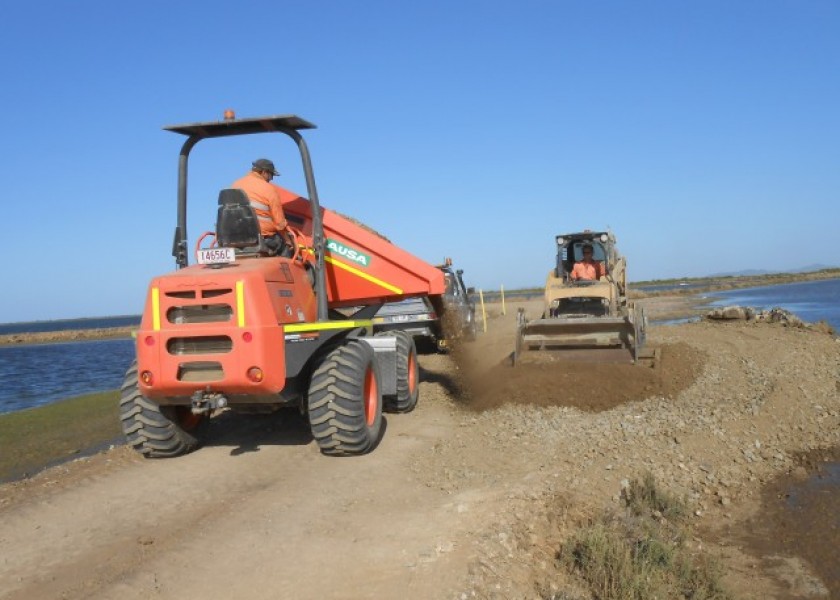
468, 496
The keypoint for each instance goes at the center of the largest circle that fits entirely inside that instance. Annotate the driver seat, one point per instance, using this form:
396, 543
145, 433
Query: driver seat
237, 226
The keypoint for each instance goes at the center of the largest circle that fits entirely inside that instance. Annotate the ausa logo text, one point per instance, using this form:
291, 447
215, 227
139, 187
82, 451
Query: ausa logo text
347, 252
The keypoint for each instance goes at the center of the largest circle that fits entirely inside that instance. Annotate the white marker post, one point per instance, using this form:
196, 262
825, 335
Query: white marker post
483, 312
503, 300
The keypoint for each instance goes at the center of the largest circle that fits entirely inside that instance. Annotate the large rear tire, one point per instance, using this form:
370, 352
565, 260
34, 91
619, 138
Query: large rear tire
156, 431
408, 375
345, 402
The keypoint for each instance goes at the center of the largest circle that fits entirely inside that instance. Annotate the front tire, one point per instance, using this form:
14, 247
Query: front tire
156, 431
345, 402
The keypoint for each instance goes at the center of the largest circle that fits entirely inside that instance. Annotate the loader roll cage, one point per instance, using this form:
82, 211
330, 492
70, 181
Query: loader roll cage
287, 124
601, 241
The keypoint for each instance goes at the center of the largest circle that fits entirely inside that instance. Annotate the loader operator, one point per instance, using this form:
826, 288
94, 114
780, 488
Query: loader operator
266, 200
587, 269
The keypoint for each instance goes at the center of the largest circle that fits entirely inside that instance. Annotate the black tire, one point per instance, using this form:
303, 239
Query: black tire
408, 375
344, 400
156, 431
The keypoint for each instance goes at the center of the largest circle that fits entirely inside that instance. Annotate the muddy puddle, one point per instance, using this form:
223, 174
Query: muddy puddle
800, 518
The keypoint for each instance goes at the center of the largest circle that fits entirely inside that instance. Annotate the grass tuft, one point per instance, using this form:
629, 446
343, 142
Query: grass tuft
640, 554
645, 498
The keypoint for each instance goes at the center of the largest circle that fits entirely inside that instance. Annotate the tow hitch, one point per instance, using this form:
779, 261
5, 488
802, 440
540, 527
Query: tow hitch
205, 402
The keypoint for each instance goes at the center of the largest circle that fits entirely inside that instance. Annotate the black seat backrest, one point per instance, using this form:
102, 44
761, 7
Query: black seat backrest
236, 222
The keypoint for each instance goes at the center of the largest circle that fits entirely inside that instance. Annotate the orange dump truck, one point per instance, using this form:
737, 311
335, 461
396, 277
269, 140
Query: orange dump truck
246, 330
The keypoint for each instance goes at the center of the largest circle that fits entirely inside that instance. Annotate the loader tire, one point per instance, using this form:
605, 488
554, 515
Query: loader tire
156, 431
408, 375
344, 400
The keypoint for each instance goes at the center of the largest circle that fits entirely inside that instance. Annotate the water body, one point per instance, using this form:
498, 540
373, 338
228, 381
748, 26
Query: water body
38, 374
811, 301
800, 516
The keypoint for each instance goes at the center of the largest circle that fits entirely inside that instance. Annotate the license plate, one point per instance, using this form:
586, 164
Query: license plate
216, 256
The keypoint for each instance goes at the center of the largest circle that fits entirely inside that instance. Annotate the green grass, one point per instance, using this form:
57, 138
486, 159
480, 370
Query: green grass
641, 553
33, 438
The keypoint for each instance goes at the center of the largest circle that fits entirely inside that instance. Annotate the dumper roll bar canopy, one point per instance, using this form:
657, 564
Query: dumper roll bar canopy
288, 124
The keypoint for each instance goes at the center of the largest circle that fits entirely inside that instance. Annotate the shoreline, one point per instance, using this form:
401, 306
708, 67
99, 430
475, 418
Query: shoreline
68, 335
664, 305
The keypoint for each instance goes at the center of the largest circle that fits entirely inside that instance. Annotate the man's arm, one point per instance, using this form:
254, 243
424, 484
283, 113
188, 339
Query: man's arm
277, 214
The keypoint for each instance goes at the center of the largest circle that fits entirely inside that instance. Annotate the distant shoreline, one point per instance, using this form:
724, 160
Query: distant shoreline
699, 285
68, 335
687, 302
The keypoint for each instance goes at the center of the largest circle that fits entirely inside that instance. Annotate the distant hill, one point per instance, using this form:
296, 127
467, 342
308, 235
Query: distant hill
753, 272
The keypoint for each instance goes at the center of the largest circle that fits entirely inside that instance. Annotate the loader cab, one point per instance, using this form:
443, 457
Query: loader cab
570, 251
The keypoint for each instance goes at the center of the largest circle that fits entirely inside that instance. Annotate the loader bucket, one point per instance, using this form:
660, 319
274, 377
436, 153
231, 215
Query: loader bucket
590, 339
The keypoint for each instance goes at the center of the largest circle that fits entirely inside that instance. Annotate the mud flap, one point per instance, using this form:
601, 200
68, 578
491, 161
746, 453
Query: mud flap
385, 354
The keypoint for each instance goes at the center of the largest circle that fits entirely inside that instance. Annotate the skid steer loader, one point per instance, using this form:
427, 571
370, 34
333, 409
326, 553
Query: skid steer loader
586, 319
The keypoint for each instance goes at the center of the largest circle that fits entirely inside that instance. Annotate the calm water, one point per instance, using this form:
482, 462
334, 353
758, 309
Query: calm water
38, 374
811, 301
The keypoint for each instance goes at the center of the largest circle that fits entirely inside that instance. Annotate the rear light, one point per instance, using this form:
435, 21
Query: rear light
247, 336
149, 340
147, 378
255, 374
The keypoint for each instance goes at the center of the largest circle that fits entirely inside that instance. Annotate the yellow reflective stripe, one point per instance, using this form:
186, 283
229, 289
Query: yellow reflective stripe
363, 275
155, 309
240, 303
298, 327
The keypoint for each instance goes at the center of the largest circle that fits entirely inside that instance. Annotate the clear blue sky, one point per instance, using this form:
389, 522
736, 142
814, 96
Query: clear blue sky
706, 135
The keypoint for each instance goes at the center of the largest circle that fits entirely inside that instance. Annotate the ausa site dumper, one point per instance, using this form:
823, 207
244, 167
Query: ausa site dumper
588, 320
246, 330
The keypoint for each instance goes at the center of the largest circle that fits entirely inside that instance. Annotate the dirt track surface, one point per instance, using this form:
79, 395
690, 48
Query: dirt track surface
468, 496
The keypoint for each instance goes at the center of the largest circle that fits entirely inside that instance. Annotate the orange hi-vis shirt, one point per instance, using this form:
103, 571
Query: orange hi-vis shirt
588, 270
265, 198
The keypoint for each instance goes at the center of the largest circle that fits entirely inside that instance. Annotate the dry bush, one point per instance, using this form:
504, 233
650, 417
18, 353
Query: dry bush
641, 553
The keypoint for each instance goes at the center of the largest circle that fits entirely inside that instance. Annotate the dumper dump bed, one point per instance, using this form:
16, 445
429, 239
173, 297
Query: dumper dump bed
361, 266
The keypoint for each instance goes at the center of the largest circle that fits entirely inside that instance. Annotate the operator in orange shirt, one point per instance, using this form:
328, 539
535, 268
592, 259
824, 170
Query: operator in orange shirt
587, 269
265, 198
